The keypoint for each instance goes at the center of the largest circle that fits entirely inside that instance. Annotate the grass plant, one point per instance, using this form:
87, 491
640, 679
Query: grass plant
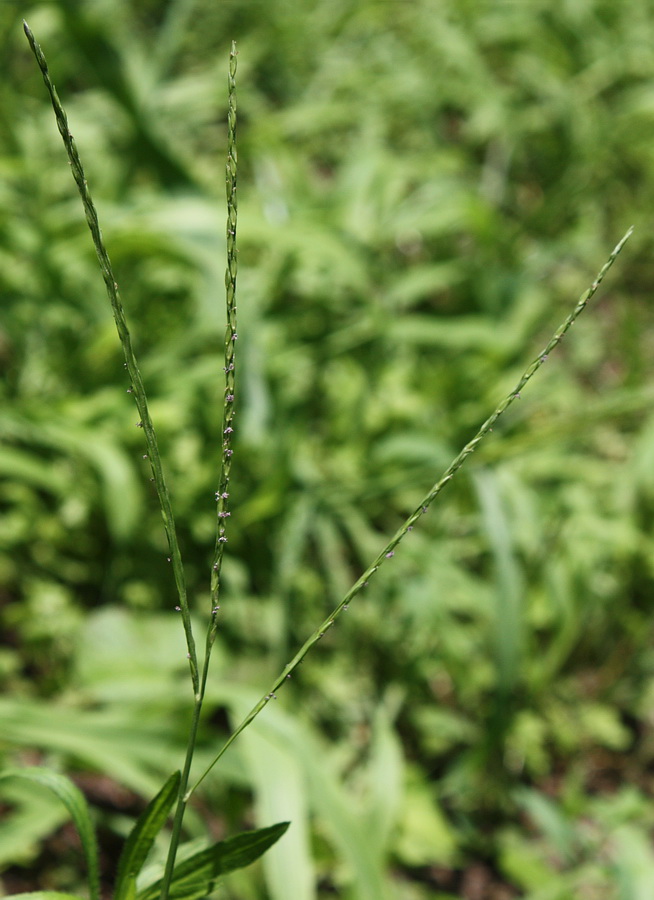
196, 874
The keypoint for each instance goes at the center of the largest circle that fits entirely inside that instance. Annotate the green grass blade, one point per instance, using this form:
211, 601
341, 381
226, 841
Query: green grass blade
142, 837
290, 744
75, 802
42, 895
196, 876
136, 381
509, 615
389, 550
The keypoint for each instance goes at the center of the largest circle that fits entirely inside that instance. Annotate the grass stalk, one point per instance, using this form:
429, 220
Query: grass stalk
136, 382
222, 494
388, 550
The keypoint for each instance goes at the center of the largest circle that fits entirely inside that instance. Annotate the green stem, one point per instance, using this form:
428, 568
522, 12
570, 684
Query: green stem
388, 551
182, 800
136, 381
222, 494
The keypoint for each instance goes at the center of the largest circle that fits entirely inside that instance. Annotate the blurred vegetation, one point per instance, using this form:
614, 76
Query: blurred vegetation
425, 189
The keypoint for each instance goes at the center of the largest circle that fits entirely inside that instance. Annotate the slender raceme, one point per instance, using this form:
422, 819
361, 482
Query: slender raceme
136, 382
388, 551
222, 494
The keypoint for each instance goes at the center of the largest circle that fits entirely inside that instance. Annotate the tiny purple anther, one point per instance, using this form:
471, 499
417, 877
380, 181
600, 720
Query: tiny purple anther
228, 430
222, 540
229, 397
223, 514
390, 553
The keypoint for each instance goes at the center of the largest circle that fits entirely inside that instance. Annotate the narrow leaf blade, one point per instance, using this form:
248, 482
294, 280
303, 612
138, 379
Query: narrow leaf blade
75, 802
196, 876
142, 837
43, 895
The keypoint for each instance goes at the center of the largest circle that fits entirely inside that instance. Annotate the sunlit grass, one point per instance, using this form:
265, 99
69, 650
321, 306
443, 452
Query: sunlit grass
407, 229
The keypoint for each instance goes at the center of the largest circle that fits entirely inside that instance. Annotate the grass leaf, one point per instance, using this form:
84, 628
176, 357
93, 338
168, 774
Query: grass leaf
196, 876
75, 802
142, 837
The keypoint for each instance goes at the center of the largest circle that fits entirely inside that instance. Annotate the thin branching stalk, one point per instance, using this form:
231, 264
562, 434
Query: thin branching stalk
136, 381
389, 550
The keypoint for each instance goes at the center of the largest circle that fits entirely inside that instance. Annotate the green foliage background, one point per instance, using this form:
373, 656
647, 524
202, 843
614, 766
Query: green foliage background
425, 190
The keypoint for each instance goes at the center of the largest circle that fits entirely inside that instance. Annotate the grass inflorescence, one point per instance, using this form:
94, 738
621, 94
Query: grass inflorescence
179, 788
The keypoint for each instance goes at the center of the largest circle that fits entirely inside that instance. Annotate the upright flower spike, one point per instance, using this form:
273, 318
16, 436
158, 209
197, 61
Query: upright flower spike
222, 494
